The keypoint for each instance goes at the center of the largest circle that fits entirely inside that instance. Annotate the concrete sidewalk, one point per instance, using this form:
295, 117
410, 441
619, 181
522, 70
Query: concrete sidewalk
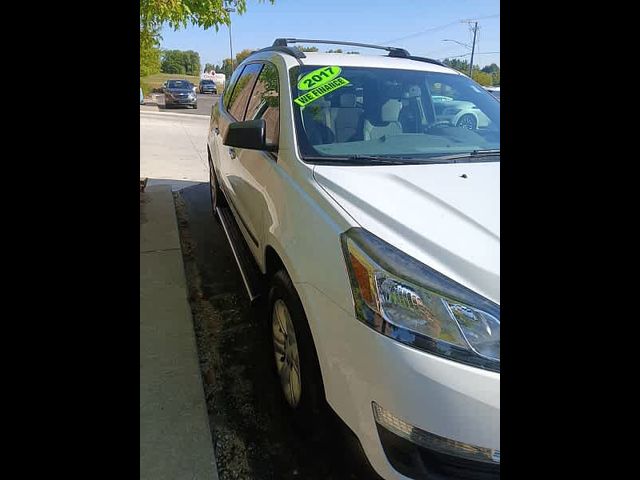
175, 440
173, 148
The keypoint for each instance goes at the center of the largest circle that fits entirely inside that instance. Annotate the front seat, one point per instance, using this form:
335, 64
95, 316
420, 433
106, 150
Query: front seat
388, 124
346, 118
412, 117
317, 122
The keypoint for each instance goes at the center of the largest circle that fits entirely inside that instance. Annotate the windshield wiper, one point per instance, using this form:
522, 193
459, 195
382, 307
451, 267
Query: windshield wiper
377, 160
356, 160
470, 156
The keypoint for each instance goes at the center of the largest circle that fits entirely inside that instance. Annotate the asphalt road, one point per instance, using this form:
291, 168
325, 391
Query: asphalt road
205, 101
253, 438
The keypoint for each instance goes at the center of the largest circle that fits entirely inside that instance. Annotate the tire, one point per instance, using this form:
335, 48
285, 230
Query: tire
467, 121
195, 106
292, 346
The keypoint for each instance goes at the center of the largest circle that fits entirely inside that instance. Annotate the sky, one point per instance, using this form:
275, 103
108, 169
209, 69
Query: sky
420, 26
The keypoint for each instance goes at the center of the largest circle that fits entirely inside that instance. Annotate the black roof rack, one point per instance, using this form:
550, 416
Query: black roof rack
393, 51
282, 44
427, 60
283, 49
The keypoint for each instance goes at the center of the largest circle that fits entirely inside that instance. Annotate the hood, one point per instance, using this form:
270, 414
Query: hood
446, 216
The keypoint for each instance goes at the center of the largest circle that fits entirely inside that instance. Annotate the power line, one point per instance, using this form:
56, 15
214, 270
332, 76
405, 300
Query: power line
467, 54
434, 29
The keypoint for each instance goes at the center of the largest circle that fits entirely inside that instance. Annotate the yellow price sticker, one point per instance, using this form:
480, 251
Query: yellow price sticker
318, 77
317, 92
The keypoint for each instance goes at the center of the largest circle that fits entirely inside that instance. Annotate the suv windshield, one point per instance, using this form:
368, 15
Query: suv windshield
405, 115
206, 82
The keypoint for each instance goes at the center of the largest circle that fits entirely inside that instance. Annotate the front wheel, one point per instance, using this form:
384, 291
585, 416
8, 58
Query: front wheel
295, 358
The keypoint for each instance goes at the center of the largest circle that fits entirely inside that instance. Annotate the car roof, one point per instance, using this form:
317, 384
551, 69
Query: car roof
352, 60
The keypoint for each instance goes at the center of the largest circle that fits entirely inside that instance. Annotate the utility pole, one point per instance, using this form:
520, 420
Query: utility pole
231, 46
230, 9
473, 48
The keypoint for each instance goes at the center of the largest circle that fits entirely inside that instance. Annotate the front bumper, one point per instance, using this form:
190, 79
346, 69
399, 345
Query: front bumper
360, 366
180, 101
415, 461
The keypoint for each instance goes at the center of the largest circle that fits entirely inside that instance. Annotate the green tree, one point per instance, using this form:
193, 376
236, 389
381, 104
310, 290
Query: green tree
494, 71
149, 61
240, 57
192, 62
208, 67
227, 69
493, 68
482, 78
306, 49
149, 53
496, 78
177, 61
179, 14
457, 64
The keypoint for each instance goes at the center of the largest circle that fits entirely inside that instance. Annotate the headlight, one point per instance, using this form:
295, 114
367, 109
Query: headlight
405, 300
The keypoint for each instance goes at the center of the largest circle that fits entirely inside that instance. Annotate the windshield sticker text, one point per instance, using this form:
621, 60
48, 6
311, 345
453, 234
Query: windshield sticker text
316, 93
318, 77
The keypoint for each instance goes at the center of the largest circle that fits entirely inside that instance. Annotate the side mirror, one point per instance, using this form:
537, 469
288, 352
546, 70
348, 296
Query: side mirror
250, 134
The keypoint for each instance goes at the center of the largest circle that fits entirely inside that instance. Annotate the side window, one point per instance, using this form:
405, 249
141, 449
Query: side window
242, 91
265, 102
228, 91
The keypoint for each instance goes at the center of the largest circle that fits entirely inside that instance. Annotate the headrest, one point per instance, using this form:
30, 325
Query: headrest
392, 90
348, 100
414, 91
321, 103
390, 111
316, 107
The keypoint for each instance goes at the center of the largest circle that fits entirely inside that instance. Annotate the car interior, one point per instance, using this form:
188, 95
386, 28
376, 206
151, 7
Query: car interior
356, 113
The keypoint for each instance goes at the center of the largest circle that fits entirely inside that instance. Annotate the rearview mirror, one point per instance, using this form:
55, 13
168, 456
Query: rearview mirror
250, 134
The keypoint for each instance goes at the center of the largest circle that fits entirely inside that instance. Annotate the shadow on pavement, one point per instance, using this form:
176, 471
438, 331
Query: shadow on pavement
253, 438
175, 184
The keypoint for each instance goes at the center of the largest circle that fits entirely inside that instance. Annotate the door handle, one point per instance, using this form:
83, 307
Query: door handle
232, 152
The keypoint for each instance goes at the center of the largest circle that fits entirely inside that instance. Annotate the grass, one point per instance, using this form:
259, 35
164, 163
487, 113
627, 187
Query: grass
155, 81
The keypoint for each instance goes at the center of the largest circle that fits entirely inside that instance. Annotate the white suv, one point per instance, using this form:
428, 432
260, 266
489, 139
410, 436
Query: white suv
372, 229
